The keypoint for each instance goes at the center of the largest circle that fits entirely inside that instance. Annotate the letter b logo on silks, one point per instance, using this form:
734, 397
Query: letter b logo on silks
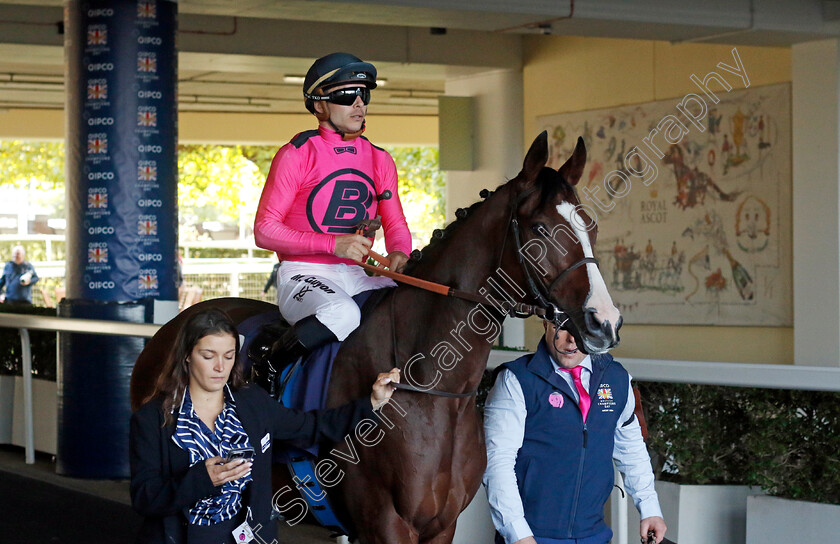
341, 201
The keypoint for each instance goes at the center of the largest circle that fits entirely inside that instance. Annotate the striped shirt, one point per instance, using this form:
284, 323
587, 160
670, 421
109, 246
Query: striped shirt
193, 436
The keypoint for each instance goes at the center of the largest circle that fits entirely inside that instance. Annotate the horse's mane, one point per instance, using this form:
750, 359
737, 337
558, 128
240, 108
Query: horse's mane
549, 181
461, 214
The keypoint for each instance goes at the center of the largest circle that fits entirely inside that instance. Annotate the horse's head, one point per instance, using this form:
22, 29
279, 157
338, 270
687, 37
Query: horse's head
556, 243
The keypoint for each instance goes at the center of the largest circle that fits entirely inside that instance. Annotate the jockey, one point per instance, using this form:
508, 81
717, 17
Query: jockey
321, 185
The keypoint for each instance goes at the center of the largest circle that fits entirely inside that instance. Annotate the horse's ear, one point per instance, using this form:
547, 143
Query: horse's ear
572, 169
536, 158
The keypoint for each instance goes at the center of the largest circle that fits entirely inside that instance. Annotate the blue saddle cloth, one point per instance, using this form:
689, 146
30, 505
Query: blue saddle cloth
307, 387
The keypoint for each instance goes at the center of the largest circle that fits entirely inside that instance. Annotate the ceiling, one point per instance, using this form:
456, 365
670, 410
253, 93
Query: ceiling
234, 55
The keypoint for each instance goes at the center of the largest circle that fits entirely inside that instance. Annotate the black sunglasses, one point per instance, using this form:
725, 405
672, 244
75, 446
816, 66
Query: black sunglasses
346, 97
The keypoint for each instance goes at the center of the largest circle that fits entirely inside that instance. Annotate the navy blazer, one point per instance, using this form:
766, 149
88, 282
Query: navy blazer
164, 486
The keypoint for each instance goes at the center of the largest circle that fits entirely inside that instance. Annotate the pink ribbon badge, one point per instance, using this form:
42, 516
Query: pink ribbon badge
556, 399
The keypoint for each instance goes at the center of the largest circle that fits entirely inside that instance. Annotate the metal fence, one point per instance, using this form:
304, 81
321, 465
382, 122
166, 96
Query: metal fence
203, 279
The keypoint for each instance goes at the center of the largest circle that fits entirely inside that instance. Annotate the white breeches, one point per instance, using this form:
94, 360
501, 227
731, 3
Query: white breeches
324, 290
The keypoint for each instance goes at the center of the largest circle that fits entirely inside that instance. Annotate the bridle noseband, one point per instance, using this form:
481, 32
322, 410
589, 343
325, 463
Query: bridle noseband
544, 309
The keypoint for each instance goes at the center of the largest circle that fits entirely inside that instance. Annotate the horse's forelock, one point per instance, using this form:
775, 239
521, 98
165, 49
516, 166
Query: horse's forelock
553, 189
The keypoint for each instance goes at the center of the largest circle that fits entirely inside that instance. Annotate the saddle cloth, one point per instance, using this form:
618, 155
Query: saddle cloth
307, 387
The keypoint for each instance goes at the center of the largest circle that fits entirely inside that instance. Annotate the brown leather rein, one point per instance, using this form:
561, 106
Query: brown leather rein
546, 310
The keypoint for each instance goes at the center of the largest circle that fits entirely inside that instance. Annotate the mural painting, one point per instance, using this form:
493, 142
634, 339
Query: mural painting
692, 200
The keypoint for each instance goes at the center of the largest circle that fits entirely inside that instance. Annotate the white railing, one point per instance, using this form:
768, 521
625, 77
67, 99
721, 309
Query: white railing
241, 277
47, 239
804, 377
24, 322
56, 269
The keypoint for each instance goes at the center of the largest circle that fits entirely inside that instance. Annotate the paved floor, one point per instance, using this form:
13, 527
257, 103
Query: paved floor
37, 506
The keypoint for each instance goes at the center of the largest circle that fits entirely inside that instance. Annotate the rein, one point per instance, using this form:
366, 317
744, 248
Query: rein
408, 386
544, 309
438, 288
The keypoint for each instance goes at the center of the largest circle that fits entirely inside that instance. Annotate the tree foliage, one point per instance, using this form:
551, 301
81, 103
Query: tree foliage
24, 162
222, 184
261, 156
782, 440
215, 183
421, 188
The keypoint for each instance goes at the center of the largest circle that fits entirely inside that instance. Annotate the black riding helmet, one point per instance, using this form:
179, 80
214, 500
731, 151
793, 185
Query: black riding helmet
336, 69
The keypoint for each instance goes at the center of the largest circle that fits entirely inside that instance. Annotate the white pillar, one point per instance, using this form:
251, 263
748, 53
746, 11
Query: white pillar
498, 118
816, 202
498, 147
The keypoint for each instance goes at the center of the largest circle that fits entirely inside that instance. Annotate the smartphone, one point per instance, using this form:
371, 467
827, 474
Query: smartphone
239, 453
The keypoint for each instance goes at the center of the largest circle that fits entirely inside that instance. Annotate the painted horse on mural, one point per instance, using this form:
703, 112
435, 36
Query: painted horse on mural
692, 184
526, 249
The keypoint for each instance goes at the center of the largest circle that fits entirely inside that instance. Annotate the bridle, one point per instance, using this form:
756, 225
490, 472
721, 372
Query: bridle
544, 309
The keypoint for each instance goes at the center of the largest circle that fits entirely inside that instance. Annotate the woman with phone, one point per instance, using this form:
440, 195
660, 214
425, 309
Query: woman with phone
200, 446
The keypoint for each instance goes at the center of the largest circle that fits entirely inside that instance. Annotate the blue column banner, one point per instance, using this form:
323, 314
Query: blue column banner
122, 225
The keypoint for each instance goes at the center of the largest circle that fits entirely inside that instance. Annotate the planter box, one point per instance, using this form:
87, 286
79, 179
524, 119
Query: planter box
695, 514
45, 413
771, 519
700, 514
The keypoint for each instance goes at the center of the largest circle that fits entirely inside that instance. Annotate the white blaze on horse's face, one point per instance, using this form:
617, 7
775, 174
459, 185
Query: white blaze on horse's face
599, 297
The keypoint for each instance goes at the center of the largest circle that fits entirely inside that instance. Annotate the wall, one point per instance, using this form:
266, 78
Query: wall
243, 128
44, 413
567, 74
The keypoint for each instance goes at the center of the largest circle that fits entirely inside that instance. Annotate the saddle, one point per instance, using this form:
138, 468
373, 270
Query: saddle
276, 353
274, 363
298, 381
269, 360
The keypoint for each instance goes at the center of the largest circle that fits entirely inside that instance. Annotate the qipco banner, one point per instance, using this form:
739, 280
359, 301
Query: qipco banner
122, 186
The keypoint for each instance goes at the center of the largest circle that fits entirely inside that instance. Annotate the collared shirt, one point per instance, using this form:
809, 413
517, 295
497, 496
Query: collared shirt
504, 426
193, 436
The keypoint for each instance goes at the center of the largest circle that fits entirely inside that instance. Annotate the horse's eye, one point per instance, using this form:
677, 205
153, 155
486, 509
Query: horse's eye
539, 229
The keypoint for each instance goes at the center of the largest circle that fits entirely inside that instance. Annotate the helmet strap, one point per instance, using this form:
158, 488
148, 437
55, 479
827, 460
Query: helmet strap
347, 136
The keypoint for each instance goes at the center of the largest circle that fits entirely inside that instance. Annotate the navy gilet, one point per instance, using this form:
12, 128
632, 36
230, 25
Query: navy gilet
564, 469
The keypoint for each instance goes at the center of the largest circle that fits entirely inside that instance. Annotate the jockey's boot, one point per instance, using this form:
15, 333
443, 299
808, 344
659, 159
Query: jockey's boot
302, 338
292, 348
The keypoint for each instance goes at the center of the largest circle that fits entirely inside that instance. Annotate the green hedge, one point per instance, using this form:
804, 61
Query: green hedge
786, 441
42, 342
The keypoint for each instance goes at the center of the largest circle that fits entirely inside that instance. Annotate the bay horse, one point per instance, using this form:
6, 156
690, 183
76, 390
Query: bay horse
527, 248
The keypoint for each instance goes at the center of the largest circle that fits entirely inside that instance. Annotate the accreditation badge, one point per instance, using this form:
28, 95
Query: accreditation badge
243, 534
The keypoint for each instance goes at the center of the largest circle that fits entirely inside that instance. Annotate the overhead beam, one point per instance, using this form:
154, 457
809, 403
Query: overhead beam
273, 38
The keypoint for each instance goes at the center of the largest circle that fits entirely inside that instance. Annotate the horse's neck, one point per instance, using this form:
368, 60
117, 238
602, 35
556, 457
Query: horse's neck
471, 254
465, 261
